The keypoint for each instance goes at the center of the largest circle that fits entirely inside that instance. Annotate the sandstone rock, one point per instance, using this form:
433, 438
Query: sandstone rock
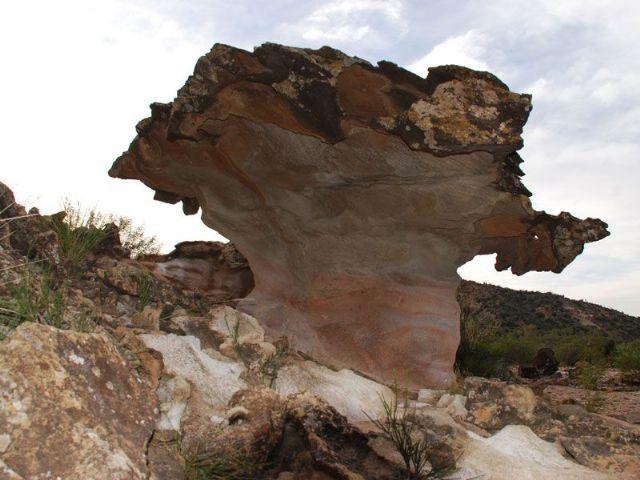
352, 395
71, 407
164, 458
211, 267
599, 442
299, 437
429, 396
148, 318
235, 325
385, 449
318, 439
173, 394
453, 404
493, 404
355, 192
216, 380
29, 232
516, 452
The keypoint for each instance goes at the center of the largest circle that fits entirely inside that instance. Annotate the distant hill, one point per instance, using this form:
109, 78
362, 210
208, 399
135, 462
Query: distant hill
514, 309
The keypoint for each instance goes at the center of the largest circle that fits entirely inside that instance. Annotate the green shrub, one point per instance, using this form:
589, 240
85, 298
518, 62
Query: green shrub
134, 237
590, 374
476, 332
626, 356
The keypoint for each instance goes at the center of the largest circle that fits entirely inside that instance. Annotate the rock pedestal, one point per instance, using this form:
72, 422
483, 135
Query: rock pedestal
355, 192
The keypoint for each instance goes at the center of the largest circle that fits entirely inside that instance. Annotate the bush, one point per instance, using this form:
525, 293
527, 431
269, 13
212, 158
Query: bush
133, 237
473, 356
590, 374
626, 356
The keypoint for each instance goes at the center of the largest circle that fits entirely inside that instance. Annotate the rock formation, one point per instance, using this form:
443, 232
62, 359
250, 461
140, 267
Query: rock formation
71, 408
355, 192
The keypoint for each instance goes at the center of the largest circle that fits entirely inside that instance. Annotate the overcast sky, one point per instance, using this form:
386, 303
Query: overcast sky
78, 75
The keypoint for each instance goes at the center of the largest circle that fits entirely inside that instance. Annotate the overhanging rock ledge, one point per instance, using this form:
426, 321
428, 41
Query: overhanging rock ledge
355, 192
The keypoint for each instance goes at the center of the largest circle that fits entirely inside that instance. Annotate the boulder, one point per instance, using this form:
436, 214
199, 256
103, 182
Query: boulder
216, 379
211, 267
543, 364
355, 192
71, 407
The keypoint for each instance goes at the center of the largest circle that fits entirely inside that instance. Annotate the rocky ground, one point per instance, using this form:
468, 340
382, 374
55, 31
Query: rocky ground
119, 368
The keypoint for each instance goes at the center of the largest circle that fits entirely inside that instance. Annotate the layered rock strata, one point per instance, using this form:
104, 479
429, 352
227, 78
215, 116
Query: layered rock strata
355, 192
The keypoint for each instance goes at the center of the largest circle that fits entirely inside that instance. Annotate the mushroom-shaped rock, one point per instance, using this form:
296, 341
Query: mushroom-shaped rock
355, 192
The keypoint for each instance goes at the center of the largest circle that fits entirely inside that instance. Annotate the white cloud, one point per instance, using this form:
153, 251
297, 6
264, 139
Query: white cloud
345, 8
467, 50
343, 32
354, 21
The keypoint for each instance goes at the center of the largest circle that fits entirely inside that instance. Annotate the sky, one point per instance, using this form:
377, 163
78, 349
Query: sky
77, 75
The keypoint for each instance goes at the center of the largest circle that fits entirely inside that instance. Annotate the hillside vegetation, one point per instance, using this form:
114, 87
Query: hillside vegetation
501, 327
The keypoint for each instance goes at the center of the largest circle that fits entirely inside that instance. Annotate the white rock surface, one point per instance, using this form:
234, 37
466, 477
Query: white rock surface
173, 394
224, 320
455, 405
429, 396
515, 452
349, 393
183, 356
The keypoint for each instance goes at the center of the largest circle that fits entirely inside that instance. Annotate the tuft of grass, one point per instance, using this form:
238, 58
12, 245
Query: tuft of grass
32, 300
626, 356
146, 289
84, 321
203, 465
234, 333
81, 231
397, 426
